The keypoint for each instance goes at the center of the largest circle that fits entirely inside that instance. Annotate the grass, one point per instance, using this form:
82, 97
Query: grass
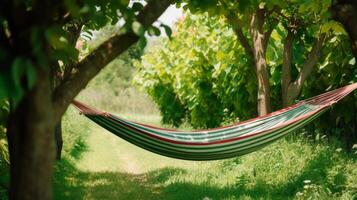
99, 165
107, 167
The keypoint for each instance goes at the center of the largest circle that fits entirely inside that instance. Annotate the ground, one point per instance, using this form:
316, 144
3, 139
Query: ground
103, 166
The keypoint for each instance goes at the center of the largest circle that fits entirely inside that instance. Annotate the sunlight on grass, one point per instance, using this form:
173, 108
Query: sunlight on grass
107, 152
111, 168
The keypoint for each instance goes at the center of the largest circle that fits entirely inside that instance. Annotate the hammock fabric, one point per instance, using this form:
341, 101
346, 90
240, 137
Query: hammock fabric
219, 143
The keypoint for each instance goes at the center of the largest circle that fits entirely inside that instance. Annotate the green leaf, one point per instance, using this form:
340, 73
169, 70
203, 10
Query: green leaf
138, 29
168, 30
334, 27
124, 2
4, 86
220, 55
142, 43
72, 7
17, 70
137, 6
57, 37
31, 76
21, 70
276, 36
245, 5
65, 55
153, 31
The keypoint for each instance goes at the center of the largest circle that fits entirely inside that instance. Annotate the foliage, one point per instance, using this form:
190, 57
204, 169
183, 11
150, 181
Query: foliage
121, 68
48, 42
114, 82
317, 11
200, 74
336, 70
85, 17
219, 85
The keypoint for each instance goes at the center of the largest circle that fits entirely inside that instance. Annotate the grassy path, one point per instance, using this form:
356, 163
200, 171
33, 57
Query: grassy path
111, 168
106, 152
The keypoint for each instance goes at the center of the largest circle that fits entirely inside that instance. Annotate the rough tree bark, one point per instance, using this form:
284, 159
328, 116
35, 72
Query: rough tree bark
31, 143
58, 140
260, 40
345, 12
256, 54
32, 122
286, 68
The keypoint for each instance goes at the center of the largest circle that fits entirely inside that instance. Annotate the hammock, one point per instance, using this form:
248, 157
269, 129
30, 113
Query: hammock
219, 143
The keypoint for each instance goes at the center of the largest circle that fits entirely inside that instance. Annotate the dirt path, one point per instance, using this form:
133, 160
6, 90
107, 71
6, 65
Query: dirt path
107, 152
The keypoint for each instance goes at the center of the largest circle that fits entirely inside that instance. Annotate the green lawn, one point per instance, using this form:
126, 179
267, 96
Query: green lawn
100, 165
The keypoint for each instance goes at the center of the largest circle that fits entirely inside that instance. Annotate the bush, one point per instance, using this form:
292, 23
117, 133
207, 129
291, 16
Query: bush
201, 75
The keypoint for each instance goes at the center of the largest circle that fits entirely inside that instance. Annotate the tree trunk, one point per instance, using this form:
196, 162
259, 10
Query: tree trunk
263, 96
286, 69
56, 80
345, 12
59, 140
259, 52
31, 124
291, 94
31, 143
291, 89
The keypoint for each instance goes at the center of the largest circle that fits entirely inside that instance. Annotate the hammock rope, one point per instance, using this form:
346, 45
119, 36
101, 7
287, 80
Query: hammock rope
217, 143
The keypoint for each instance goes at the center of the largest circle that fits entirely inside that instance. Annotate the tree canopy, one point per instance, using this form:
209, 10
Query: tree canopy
220, 84
42, 70
201, 73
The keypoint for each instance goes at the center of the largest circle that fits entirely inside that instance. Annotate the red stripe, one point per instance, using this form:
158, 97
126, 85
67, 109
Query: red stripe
228, 126
333, 96
227, 140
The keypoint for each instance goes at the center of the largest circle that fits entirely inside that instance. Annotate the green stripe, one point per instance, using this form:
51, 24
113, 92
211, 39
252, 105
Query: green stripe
209, 137
253, 123
184, 152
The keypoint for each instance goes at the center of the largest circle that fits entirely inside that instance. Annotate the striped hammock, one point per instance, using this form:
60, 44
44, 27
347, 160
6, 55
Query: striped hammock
219, 143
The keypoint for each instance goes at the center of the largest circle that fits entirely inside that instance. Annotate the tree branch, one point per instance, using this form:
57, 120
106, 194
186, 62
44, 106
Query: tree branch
231, 18
244, 42
100, 57
275, 21
310, 62
267, 35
